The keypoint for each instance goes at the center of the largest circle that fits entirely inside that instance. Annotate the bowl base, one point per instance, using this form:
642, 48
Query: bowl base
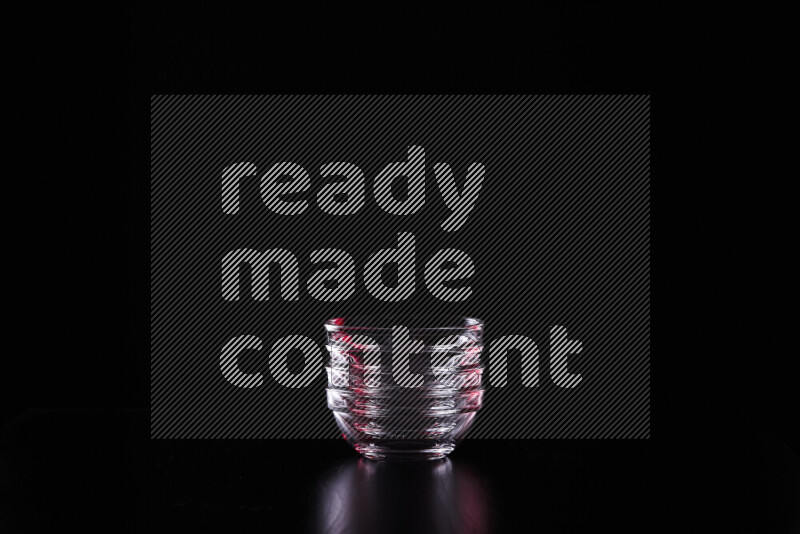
406, 450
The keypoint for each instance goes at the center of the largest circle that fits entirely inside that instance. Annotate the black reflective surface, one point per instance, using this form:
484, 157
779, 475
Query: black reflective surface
79, 471
359, 495
101, 470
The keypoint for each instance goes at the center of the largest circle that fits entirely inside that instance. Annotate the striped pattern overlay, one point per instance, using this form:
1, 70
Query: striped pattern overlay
271, 214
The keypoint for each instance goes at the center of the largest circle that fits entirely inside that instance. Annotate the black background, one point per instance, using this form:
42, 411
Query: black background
75, 451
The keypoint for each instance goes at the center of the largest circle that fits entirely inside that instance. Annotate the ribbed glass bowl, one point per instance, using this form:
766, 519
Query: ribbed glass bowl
422, 409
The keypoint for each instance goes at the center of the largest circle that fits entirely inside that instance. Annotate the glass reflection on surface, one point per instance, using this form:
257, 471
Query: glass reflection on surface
365, 496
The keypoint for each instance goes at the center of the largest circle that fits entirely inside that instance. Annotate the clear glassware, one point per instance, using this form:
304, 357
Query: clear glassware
404, 388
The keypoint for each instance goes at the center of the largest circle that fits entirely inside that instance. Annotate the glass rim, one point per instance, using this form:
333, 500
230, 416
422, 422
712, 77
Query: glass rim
336, 324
